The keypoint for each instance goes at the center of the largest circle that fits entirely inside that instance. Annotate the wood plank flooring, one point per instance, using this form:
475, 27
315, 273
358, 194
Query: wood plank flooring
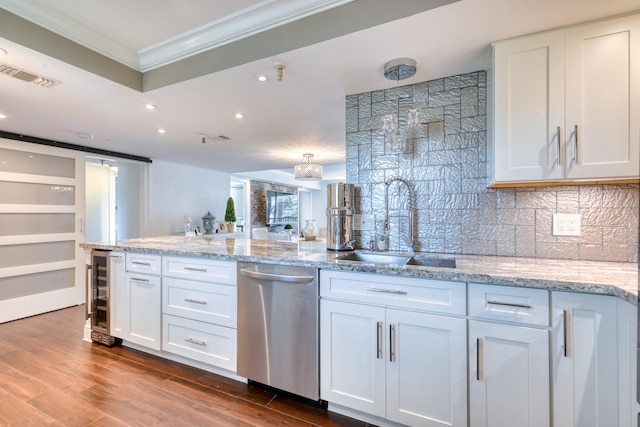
49, 376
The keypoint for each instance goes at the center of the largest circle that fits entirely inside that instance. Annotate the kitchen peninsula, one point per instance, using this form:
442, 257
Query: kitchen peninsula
403, 344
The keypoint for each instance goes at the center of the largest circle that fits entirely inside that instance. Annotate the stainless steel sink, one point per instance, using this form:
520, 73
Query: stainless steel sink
433, 262
375, 258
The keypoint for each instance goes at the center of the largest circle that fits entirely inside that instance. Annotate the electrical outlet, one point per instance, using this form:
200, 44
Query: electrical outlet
566, 224
364, 222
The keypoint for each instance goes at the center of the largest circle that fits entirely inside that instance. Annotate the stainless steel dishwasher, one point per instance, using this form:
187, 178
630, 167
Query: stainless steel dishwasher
278, 342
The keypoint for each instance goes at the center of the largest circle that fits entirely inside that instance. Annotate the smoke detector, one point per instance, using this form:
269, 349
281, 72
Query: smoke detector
27, 76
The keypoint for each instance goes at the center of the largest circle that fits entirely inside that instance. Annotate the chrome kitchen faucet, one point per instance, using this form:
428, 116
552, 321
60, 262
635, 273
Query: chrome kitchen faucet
410, 240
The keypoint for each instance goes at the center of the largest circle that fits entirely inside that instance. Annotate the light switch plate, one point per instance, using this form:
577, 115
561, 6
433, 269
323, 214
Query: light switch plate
566, 224
364, 222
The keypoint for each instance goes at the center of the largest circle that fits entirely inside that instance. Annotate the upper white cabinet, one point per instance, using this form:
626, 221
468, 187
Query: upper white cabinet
566, 104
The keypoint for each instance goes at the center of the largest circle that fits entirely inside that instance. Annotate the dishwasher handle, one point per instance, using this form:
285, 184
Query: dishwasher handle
276, 277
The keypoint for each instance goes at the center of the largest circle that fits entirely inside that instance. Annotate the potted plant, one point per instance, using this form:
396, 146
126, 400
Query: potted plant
230, 215
288, 228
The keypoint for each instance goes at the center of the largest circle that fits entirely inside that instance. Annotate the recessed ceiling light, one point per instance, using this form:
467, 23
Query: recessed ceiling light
150, 107
239, 115
2, 116
262, 78
3, 52
161, 131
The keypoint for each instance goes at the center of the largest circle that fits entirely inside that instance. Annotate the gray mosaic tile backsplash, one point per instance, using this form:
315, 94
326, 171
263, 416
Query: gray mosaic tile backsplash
446, 162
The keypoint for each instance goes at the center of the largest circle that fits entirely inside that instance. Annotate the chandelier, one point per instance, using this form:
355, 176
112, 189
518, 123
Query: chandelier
308, 169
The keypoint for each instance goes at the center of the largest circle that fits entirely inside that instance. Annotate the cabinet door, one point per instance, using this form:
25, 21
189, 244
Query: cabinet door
143, 310
352, 355
603, 99
528, 79
508, 376
426, 369
117, 296
585, 361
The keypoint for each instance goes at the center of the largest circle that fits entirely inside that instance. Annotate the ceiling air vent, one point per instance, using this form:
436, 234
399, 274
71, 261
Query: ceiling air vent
26, 76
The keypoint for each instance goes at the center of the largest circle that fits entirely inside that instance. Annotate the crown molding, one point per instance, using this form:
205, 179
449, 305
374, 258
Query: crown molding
246, 22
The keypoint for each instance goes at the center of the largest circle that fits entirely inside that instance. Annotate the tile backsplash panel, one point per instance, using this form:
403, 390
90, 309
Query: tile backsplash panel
446, 162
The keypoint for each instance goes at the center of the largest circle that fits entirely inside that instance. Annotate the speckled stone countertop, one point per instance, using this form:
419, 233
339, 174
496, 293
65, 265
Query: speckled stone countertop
608, 278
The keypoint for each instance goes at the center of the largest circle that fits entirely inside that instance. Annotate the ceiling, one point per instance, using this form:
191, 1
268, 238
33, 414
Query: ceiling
197, 61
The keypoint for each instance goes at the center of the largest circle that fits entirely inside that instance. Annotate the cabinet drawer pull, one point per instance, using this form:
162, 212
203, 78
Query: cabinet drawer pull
510, 304
392, 353
146, 264
201, 270
387, 291
196, 342
195, 301
478, 355
115, 256
558, 153
379, 340
137, 279
565, 331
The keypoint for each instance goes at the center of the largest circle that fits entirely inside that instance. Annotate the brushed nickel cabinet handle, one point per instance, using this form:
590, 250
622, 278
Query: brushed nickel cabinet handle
146, 264
387, 291
478, 356
379, 340
195, 301
565, 330
576, 146
192, 341
558, 152
115, 256
137, 279
392, 353
510, 304
201, 270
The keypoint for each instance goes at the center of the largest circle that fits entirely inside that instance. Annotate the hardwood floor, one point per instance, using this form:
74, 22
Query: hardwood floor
49, 376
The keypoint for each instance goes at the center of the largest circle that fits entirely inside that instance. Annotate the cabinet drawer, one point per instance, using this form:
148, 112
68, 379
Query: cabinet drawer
144, 263
206, 302
207, 343
439, 296
509, 304
208, 270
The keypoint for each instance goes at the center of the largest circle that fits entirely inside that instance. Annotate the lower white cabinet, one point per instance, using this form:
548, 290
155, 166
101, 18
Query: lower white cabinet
508, 375
142, 319
117, 296
405, 366
585, 360
205, 342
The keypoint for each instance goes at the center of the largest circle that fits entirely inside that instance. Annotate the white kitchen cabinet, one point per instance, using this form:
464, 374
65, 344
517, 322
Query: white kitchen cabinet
117, 297
508, 375
199, 310
508, 356
143, 301
585, 360
565, 104
393, 363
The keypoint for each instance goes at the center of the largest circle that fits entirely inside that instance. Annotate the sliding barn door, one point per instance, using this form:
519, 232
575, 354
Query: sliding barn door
41, 224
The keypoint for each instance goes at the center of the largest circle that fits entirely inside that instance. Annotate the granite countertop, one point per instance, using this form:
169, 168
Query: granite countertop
608, 278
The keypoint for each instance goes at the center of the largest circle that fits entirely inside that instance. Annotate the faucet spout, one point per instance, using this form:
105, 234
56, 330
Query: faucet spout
410, 239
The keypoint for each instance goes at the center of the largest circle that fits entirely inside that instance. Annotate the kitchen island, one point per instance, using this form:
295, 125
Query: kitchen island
495, 339
609, 278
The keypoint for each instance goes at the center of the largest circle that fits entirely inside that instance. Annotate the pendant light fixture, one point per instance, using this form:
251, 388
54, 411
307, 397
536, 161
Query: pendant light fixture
399, 69
308, 169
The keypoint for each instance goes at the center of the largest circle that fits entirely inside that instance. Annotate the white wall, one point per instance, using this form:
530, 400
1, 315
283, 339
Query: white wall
98, 198
178, 190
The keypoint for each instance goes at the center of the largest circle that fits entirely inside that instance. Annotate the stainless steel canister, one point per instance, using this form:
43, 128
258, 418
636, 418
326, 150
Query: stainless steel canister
340, 212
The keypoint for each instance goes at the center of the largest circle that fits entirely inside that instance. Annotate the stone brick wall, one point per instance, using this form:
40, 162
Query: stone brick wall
446, 162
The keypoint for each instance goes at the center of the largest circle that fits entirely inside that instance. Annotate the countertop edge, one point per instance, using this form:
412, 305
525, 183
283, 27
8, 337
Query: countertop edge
432, 273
